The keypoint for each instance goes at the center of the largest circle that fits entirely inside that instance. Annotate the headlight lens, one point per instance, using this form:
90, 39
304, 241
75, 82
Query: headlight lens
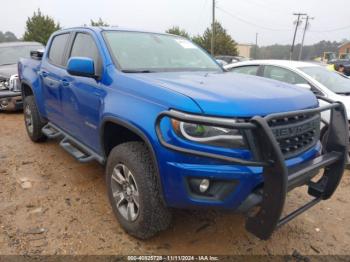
13, 83
210, 135
4, 84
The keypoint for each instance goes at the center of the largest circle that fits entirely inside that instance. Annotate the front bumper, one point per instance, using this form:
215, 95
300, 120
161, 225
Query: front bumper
279, 176
10, 101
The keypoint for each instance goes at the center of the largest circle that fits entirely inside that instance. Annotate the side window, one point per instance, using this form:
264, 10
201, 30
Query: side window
56, 53
283, 75
248, 70
84, 46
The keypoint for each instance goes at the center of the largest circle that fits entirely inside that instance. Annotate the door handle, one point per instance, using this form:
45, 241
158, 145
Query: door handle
65, 82
44, 73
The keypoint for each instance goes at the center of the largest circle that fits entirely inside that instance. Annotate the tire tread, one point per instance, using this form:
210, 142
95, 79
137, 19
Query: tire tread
156, 216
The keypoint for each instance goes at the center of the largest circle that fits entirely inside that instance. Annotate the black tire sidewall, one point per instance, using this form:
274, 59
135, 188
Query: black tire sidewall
38, 124
153, 215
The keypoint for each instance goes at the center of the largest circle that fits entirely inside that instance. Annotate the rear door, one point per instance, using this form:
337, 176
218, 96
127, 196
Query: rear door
82, 96
51, 72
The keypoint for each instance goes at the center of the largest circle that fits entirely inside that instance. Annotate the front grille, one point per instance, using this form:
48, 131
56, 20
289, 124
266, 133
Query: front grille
296, 134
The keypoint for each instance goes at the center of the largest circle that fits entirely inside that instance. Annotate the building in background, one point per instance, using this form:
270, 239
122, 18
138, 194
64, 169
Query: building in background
344, 49
245, 50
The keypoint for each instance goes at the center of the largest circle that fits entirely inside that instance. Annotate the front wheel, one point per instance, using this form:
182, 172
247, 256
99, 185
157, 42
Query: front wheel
134, 191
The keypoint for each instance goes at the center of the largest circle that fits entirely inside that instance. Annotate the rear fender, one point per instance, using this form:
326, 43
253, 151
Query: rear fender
36, 90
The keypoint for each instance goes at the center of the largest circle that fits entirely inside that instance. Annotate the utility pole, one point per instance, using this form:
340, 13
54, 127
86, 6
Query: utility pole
256, 46
305, 29
213, 31
295, 33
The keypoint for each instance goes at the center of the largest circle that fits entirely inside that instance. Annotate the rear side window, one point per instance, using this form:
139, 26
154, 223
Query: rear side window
248, 70
283, 75
84, 46
56, 53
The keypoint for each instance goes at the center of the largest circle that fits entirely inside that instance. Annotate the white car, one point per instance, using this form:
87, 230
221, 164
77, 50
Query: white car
317, 78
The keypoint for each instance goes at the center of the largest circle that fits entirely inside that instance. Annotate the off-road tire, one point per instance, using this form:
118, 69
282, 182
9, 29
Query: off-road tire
153, 215
34, 132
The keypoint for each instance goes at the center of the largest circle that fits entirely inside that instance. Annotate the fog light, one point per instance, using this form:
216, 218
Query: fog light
204, 185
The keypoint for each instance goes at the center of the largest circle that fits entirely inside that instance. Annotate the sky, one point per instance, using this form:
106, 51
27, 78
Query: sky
271, 19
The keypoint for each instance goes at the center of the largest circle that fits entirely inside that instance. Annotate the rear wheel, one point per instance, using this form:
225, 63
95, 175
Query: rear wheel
134, 191
32, 120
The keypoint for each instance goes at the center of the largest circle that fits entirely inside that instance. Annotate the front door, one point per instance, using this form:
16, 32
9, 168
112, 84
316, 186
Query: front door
82, 96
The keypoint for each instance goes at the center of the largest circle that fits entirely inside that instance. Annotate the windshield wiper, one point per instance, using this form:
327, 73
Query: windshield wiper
8, 64
343, 93
137, 71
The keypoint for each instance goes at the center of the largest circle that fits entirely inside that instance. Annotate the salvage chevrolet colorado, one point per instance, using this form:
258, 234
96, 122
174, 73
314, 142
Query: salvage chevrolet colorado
175, 131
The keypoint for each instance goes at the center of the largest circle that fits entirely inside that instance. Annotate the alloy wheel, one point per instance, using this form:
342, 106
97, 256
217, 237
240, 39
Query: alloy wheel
125, 192
28, 119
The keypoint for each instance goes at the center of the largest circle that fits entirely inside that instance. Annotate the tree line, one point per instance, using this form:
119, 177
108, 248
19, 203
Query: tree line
223, 42
282, 51
7, 37
39, 27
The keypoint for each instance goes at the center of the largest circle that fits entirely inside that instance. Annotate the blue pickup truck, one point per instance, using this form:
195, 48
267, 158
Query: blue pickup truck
175, 131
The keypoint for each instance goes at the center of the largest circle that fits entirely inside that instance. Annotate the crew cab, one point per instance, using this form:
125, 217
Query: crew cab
176, 131
10, 90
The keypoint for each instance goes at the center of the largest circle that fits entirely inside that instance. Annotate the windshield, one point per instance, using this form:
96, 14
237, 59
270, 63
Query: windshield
146, 52
335, 82
11, 54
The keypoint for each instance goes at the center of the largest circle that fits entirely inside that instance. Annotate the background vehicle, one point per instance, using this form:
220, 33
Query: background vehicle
176, 131
10, 53
308, 75
345, 63
327, 57
221, 62
231, 59
344, 56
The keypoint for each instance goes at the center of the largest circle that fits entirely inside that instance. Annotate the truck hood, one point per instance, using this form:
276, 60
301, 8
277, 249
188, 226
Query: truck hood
8, 70
230, 94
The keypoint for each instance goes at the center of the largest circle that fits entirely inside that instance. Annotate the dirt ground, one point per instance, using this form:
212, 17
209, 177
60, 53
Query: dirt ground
51, 204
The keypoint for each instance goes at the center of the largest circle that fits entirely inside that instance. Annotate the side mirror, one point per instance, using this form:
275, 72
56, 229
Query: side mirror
307, 86
81, 66
37, 54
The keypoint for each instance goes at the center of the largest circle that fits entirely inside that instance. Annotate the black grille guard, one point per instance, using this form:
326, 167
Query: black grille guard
278, 179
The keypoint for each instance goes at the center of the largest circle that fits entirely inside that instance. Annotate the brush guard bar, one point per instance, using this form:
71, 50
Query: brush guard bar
278, 178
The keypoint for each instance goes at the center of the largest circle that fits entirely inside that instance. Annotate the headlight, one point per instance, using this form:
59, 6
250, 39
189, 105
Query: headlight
4, 84
210, 135
13, 83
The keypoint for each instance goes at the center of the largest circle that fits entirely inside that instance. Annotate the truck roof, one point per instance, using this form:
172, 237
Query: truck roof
18, 43
111, 28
